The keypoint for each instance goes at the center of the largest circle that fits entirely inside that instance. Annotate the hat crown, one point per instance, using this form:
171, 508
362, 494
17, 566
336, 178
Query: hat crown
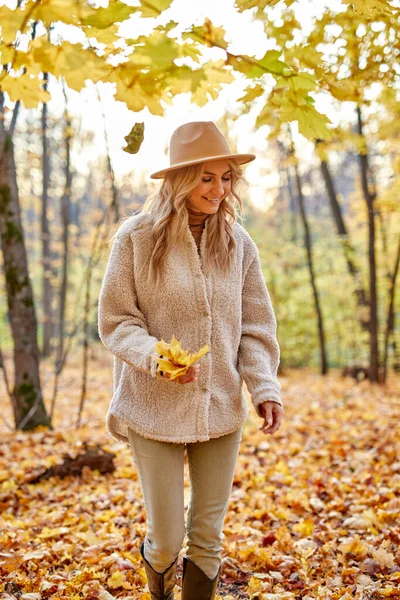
197, 140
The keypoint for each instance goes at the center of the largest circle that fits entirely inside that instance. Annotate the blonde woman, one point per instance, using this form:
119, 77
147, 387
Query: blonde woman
185, 267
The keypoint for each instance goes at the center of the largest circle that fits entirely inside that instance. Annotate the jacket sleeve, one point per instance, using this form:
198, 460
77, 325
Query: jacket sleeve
122, 326
259, 352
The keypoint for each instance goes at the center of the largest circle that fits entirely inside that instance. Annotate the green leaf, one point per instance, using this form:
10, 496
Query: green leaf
178, 80
155, 50
284, 105
191, 51
312, 124
254, 68
301, 81
270, 61
167, 27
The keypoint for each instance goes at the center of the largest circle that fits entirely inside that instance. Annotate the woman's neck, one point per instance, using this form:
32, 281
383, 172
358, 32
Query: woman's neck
196, 218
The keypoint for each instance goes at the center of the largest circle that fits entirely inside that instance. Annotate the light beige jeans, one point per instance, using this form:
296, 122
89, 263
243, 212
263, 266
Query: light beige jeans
160, 467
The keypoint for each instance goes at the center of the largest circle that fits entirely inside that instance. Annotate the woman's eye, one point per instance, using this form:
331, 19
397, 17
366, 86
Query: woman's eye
223, 179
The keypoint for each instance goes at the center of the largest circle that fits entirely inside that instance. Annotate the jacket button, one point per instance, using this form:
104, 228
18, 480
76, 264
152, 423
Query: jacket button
204, 388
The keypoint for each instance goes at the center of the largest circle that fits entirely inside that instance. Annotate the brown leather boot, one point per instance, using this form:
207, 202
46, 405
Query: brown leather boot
195, 583
161, 585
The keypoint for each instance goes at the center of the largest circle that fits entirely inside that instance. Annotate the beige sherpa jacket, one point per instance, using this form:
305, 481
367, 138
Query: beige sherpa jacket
230, 313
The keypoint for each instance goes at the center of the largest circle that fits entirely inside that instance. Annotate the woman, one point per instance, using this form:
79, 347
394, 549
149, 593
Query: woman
185, 267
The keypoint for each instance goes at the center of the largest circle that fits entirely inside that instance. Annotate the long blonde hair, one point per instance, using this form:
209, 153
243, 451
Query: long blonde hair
170, 199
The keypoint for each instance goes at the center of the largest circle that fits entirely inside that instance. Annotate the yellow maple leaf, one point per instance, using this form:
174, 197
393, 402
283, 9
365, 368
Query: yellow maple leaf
208, 81
242, 5
12, 21
118, 579
175, 360
384, 558
25, 88
51, 11
252, 92
154, 8
343, 89
254, 587
370, 8
104, 36
305, 528
72, 61
355, 546
137, 90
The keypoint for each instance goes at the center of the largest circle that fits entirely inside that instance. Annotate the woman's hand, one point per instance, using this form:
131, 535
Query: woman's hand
188, 377
272, 412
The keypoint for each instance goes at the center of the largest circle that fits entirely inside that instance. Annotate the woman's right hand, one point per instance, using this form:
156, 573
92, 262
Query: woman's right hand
188, 377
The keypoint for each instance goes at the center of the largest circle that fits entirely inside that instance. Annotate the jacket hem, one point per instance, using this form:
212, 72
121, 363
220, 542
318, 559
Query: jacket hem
175, 439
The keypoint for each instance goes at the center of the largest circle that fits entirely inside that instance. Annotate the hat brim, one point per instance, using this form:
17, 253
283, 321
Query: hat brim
240, 158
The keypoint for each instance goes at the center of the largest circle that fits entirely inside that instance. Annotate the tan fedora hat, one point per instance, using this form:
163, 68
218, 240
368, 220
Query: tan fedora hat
197, 142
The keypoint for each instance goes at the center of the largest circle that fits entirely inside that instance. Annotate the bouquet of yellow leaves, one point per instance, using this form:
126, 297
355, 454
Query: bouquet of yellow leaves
173, 359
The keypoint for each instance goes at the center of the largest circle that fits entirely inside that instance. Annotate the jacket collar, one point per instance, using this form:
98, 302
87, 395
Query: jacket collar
191, 246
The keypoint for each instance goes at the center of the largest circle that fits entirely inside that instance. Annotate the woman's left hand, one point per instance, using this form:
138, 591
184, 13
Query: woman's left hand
273, 413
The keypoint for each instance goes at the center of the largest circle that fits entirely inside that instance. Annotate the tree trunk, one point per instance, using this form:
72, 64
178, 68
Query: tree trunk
369, 197
390, 314
307, 241
349, 251
65, 219
46, 258
114, 190
28, 407
292, 198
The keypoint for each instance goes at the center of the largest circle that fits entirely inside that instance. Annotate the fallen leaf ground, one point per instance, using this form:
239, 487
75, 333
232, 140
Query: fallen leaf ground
314, 510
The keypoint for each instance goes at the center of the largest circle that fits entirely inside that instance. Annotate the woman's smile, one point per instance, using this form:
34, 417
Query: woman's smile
212, 200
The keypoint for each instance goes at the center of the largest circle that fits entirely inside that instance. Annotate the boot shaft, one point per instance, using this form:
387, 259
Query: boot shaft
195, 583
161, 585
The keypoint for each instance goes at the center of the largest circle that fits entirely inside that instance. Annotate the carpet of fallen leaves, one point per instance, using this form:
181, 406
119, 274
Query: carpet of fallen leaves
314, 511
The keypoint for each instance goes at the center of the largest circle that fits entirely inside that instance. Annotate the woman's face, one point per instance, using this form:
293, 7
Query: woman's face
215, 184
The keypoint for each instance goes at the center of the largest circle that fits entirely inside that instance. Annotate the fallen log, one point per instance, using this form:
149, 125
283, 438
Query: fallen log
94, 457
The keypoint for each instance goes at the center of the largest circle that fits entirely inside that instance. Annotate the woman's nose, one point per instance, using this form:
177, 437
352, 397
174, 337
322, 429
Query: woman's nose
218, 188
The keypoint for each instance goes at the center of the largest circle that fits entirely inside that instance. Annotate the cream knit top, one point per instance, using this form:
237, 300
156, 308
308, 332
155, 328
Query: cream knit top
232, 313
